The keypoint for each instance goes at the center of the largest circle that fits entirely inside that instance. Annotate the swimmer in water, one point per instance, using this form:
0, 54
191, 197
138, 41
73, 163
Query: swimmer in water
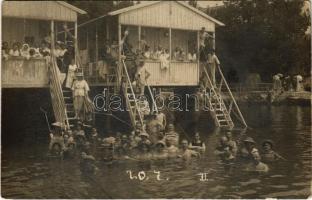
224, 150
172, 135
171, 150
185, 153
197, 144
248, 149
160, 152
232, 143
268, 154
257, 165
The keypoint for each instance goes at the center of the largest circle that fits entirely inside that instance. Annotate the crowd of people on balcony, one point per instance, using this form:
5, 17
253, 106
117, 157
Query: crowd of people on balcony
29, 50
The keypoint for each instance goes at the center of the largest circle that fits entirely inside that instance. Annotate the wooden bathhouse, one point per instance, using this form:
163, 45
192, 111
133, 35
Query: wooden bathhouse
31, 23
166, 25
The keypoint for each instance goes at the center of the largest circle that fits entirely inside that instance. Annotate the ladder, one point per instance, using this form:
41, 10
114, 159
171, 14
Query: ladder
131, 100
57, 94
221, 108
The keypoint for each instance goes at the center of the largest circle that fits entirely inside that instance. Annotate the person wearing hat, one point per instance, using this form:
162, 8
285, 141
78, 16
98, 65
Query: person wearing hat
80, 90
268, 154
249, 149
144, 138
141, 76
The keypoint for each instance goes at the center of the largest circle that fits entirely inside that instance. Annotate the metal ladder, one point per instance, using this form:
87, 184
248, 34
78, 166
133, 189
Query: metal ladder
131, 100
221, 109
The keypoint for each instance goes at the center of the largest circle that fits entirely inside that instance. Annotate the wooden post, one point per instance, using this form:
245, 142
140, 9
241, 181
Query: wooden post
55, 31
96, 50
65, 35
139, 32
107, 30
76, 41
198, 54
170, 45
52, 37
214, 40
119, 54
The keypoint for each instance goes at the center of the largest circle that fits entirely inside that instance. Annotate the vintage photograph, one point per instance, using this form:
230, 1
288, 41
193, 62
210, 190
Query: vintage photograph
156, 99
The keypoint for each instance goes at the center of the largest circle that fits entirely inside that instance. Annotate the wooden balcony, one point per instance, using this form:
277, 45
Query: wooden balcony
18, 72
178, 73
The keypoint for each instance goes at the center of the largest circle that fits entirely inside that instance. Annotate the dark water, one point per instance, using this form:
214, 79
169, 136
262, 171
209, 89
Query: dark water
27, 173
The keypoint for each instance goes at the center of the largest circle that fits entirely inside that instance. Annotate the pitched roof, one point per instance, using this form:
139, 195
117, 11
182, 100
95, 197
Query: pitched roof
149, 3
74, 8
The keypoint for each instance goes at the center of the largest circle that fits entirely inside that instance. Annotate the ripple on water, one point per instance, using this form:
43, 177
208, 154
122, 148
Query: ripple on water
251, 181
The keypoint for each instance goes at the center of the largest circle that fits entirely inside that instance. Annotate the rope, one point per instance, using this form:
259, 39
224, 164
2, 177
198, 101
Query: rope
114, 117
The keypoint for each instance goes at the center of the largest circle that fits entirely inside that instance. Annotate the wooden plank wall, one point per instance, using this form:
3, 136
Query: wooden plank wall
44, 10
158, 15
22, 73
178, 74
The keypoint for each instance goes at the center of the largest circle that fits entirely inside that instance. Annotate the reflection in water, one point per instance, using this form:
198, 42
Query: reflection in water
27, 173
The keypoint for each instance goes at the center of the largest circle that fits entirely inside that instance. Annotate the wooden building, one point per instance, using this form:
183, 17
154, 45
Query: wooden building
31, 22
168, 24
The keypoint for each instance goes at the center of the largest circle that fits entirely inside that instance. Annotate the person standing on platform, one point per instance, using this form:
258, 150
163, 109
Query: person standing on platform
213, 63
71, 74
80, 93
141, 76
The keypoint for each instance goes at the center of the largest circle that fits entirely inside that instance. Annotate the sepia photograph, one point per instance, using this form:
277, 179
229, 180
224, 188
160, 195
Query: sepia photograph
156, 99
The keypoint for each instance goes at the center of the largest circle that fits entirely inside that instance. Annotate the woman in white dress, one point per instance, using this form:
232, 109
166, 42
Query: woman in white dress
71, 74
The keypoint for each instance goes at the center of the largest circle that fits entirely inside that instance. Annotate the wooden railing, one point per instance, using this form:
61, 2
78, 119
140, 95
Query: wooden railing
20, 72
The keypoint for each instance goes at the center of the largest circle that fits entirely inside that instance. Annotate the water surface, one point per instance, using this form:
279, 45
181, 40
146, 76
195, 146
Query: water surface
27, 173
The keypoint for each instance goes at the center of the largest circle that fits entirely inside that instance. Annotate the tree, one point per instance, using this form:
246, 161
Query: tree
264, 36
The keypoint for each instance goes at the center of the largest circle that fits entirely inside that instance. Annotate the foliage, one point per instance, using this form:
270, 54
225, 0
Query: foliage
264, 36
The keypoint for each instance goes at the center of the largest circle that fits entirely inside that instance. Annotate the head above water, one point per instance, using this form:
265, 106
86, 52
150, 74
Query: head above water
229, 135
267, 144
197, 136
170, 127
223, 140
184, 144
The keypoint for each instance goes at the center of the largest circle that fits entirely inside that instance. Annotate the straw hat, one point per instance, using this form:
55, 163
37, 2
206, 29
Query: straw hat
267, 141
249, 140
144, 134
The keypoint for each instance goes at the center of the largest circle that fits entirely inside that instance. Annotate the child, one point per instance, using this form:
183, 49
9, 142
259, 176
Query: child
15, 52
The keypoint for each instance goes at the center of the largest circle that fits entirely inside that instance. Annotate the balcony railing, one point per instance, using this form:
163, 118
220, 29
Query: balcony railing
26, 73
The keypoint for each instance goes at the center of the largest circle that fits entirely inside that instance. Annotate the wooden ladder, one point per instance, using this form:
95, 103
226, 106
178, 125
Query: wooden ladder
57, 96
131, 100
220, 110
